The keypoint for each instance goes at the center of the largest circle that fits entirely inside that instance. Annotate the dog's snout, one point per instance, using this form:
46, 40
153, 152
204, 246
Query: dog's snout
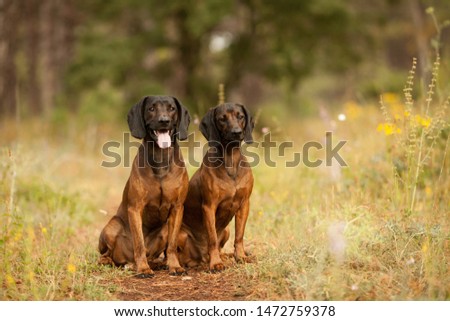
164, 119
236, 130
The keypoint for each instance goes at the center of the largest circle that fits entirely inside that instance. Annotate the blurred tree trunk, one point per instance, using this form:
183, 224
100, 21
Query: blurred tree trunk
66, 41
33, 37
417, 13
58, 23
242, 50
10, 12
49, 53
188, 49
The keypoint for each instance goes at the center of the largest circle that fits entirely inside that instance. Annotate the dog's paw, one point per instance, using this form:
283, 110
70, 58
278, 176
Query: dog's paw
177, 271
148, 273
245, 258
159, 266
105, 260
216, 268
145, 275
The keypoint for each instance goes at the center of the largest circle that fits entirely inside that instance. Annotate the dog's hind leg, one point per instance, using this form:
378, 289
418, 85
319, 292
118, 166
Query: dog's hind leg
107, 241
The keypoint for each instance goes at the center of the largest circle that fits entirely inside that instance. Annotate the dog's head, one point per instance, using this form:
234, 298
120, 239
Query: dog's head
160, 118
228, 122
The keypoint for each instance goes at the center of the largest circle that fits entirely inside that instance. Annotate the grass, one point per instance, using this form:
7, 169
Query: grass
50, 217
328, 243
375, 230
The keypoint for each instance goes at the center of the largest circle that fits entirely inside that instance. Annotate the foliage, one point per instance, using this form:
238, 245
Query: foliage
258, 49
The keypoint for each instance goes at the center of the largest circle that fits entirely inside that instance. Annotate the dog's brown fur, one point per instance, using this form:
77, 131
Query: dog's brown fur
149, 218
219, 190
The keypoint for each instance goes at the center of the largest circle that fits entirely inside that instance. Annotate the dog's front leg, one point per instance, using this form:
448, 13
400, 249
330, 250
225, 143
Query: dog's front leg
135, 220
209, 219
175, 219
240, 221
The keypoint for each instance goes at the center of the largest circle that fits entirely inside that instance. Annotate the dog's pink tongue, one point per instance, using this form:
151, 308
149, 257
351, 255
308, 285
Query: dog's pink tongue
164, 140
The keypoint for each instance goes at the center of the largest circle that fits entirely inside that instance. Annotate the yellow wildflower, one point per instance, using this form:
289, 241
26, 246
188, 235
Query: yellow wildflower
10, 280
388, 129
380, 127
71, 268
407, 113
18, 236
423, 121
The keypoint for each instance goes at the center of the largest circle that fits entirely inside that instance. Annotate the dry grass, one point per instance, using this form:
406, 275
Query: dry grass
376, 230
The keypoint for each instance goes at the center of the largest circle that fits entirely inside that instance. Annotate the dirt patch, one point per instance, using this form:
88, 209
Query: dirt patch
197, 285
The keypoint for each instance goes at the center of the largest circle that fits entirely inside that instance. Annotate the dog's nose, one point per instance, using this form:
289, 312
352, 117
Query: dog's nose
164, 120
236, 130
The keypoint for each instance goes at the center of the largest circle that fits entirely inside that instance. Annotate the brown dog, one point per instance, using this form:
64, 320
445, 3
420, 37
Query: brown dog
219, 190
148, 219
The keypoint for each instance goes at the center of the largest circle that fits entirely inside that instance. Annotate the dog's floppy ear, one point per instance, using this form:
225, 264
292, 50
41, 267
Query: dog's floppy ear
208, 127
136, 121
183, 120
249, 124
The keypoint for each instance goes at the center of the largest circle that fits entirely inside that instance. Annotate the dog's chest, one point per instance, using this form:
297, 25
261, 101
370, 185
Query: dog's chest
161, 198
232, 195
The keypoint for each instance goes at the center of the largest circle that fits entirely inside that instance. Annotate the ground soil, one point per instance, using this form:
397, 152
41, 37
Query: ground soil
197, 285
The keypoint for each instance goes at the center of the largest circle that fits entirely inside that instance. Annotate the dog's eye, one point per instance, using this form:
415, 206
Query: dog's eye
171, 108
152, 108
223, 118
240, 116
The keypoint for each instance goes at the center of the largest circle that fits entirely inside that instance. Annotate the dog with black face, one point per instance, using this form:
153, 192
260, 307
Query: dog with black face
219, 190
148, 220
